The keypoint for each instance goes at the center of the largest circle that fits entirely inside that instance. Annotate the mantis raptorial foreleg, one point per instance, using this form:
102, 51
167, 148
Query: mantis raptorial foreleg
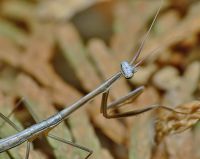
126, 100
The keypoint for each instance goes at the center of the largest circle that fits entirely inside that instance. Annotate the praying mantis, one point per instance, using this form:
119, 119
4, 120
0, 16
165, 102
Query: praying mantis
128, 69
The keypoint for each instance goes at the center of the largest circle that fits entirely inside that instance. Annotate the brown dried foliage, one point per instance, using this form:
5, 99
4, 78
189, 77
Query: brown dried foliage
172, 123
53, 53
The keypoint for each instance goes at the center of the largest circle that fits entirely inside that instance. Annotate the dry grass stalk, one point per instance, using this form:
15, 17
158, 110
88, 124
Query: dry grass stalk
172, 123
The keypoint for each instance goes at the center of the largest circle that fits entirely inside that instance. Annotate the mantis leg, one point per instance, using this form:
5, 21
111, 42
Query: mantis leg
16, 106
27, 149
72, 144
125, 100
7, 120
27, 105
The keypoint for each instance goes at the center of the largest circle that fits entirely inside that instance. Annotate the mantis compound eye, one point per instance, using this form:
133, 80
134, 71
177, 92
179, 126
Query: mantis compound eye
127, 70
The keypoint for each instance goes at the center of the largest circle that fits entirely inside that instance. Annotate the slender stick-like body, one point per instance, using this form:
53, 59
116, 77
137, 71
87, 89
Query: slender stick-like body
46, 125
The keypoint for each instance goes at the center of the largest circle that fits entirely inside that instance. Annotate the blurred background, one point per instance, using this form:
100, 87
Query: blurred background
52, 52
